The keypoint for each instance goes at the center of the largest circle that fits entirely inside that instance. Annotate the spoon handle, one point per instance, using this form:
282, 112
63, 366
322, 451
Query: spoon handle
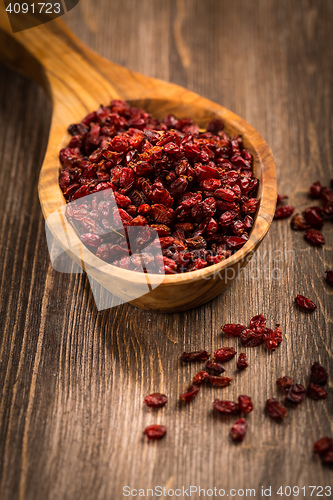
54, 57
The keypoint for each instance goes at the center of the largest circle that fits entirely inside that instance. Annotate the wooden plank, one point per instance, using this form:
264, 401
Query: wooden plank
72, 379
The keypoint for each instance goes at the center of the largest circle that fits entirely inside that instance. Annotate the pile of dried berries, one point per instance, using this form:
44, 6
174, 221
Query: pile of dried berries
255, 335
195, 189
295, 393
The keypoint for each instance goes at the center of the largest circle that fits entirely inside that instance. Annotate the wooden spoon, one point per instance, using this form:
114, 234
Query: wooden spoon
78, 80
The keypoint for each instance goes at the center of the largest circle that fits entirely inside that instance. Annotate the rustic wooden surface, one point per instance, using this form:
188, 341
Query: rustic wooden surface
72, 379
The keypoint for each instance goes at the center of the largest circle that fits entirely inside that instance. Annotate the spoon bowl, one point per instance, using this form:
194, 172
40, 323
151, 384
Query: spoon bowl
78, 80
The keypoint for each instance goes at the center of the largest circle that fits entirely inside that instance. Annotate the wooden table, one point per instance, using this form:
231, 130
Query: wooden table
72, 379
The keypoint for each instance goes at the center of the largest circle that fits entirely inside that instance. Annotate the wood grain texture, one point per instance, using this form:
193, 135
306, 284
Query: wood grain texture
72, 379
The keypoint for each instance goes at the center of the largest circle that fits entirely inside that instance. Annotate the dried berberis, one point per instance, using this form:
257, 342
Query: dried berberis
285, 383
245, 404
329, 277
304, 303
238, 430
242, 361
156, 400
224, 354
316, 392
314, 237
195, 356
295, 394
214, 367
324, 447
195, 188
200, 377
318, 374
155, 431
226, 407
189, 394
233, 330
275, 409
219, 381
284, 212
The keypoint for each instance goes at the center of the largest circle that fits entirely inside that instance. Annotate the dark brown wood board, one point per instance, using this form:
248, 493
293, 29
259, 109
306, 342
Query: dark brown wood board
72, 379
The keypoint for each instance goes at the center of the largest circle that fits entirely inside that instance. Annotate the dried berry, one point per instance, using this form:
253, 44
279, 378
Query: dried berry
295, 394
245, 404
314, 237
315, 190
283, 212
189, 394
318, 374
275, 409
216, 368
238, 430
304, 303
285, 383
327, 458
156, 400
233, 330
226, 407
258, 321
242, 362
313, 218
200, 377
155, 431
253, 338
272, 338
316, 392
298, 223
323, 445
224, 354
329, 277
219, 381
195, 356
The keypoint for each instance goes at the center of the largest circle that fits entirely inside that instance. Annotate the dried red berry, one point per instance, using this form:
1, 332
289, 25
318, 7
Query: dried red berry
315, 190
313, 218
189, 394
314, 237
245, 404
233, 330
226, 407
156, 400
258, 321
285, 383
238, 430
275, 409
155, 431
304, 303
323, 445
295, 394
215, 367
219, 381
272, 338
195, 356
280, 198
318, 374
283, 212
253, 338
316, 392
224, 354
200, 377
327, 458
298, 223
242, 362
329, 277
